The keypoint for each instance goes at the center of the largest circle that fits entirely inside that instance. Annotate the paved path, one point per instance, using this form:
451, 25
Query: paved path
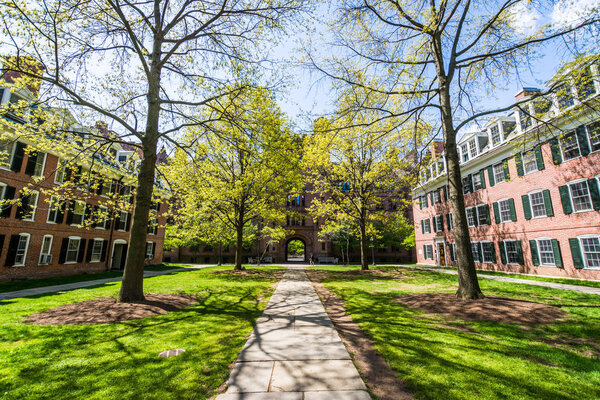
553, 285
294, 352
77, 285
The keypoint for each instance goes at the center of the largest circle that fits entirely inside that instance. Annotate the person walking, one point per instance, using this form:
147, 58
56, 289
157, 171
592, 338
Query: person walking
312, 260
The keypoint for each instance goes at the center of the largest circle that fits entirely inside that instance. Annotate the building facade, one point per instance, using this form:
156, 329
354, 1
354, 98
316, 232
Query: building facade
531, 181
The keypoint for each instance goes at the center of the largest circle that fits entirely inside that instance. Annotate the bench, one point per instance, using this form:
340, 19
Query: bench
324, 260
255, 260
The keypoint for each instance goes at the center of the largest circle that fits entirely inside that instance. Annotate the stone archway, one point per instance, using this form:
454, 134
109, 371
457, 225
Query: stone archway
295, 249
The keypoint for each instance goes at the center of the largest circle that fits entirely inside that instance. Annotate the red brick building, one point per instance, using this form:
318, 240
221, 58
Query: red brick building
531, 186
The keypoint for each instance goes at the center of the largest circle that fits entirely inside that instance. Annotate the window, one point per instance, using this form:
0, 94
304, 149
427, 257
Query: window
59, 175
103, 216
40, 162
55, 209
564, 97
26, 210
78, 212
6, 152
450, 226
121, 224
499, 173
96, 250
22, 247
109, 187
585, 84
475, 251
482, 214
477, 182
472, 148
437, 198
495, 131
471, 217
453, 251
504, 207
439, 223
594, 135
426, 226
524, 119
467, 184
541, 106
488, 253
72, 250
45, 253
152, 226
512, 252
580, 196
441, 167
538, 205
570, 146
149, 250
590, 247
546, 252
464, 152
508, 127
529, 162
428, 251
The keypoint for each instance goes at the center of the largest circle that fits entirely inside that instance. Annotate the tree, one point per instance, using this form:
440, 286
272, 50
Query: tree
147, 67
436, 57
355, 168
240, 168
342, 235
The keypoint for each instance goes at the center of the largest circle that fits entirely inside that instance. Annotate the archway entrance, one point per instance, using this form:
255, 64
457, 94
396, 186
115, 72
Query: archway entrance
295, 250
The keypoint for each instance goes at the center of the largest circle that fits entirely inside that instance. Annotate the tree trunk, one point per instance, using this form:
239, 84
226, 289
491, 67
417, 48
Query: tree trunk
364, 265
468, 285
239, 231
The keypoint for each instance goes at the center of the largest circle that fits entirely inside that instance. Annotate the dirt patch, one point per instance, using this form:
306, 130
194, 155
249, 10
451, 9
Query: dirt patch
253, 272
106, 310
587, 347
498, 309
379, 376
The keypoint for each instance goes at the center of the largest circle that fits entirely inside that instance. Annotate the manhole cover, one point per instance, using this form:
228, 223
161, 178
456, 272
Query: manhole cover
171, 353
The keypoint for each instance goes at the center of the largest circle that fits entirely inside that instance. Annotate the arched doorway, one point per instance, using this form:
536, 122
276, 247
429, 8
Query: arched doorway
295, 250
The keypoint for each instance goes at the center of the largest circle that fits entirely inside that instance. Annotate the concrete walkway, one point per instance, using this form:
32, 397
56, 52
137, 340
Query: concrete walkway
294, 352
553, 285
77, 285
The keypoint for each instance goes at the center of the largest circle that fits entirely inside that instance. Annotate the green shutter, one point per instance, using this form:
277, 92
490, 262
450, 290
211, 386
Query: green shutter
506, 173
422, 227
534, 252
493, 251
439, 190
513, 212
526, 206
496, 212
502, 252
594, 193
576, 253
556, 251
548, 203
431, 198
490, 170
582, 139
426, 200
424, 252
488, 220
565, 198
555, 148
475, 216
428, 224
480, 251
482, 178
519, 162
434, 223
470, 183
448, 222
420, 203
539, 158
445, 189
519, 251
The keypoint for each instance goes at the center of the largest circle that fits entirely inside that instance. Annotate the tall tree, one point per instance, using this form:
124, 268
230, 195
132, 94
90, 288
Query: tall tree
240, 168
437, 56
144, 66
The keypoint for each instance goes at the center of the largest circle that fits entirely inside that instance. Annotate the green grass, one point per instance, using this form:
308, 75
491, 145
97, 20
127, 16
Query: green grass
578, 282
446, 358
119, 361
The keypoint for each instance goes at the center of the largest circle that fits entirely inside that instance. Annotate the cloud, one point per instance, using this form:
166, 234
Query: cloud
570, 12
526, 19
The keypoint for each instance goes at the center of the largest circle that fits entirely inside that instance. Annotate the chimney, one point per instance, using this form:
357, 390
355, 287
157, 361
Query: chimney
13, 69
436, 148
526, 92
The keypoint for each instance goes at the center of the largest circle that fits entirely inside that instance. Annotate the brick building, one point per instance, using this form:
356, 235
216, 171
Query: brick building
42, 235
531, 186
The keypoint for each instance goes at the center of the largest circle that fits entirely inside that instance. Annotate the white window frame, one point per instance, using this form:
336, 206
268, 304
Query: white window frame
82, 215
537, 244
2, 190
530, 194
78, 238
59, 172
479, 223
31, 218
450, 222
505, 241
50, 209
28, 240
146, 252
105, 211
532, 152
473, 147
483, 251
10, 155
476, 259
43, 164
123, 221
500, 210
42, 249
574, 182
496, 180
437, 218
467, 209
562, 148
588, 135
96, 240
426, 227
475, 188
492, 135
584, 259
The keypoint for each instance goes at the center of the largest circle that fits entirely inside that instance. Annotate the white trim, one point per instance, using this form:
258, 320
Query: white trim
67, 249
506, 251
537, 240
37, 197
562, 151
587, 236
531, 203
94, 240
500, 211
82, 215
575, 181
11, 156
28, 236
482, 252
43, 164
42, 248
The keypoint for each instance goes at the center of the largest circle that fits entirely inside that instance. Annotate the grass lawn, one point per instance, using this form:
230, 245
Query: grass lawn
120, 361
448, 358
578, 282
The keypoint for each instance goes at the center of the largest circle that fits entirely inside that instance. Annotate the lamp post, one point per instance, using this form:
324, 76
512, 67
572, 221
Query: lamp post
373, 249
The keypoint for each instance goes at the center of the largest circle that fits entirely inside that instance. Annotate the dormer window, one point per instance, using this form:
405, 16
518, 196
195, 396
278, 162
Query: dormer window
508, 127
465, 153
585, 84
472, 148
564, 97
496, 139
123, 156
541, 106
525, 120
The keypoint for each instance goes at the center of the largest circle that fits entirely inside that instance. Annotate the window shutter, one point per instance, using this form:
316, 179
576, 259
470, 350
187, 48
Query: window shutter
424, 252
582, 139
502, 252
519, 251
490, 170
493, 251
81, 250
431, 198
104, 248
556, 251
534, 252
1, 243
470, 180
475, 216
70, 212
426, 204
565, 199
594, 193
480, 251
62, 256
128, 222
118, 220
506, 172
526, 206
9, 194
555, 148
23, 210
439, 190
11, 254
31, 161
539, 158
428, 224
488, 220
445, 188
548, 203
519, 162
441, 221
434, 223
576, 253
88, 212
94, 216
423, 227
513, 212
18, 155
496, 212
100, 185
88, 255
482, 178
153, 249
